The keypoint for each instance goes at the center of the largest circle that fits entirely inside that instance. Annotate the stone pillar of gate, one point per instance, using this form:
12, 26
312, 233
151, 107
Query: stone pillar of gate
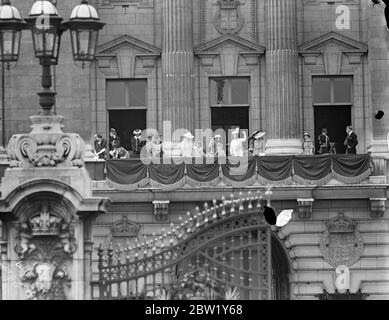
282, 78
177, 64
46, 210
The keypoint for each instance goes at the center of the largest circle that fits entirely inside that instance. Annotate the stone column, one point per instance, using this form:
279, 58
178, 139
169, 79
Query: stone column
378, 65
177, 64
282, 78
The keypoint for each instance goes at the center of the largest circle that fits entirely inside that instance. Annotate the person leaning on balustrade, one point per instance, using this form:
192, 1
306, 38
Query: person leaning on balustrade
118, 152
100, 145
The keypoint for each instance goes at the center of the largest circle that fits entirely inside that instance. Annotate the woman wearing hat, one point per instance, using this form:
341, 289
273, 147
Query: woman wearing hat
220, 152
136, 143
113, 137
236, 146
307, 144
257, 144
187, 145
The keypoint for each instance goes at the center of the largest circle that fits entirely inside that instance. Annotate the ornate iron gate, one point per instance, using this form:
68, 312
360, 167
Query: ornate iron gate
223, 252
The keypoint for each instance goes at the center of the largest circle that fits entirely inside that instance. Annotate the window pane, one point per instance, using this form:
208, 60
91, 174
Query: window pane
137, 93
240, 91
342, 90
116, 94
218, 91
321, 90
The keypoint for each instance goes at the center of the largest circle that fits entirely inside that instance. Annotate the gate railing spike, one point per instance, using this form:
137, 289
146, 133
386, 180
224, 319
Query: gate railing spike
232, 207
241, 202
249, 201
223, 205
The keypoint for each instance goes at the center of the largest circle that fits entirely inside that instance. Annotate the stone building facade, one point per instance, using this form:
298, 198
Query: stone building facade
285, 67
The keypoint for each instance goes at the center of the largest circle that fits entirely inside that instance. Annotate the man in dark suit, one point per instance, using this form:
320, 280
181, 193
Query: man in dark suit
324, 142
351, 141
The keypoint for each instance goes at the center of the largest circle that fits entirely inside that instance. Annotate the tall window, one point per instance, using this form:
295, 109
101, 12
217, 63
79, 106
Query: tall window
332, 90
229, 102
332, 102
230, 92
127, 107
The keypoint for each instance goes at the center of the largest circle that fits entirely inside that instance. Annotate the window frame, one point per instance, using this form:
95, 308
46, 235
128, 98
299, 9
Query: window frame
332, 91
127, 82
229, 78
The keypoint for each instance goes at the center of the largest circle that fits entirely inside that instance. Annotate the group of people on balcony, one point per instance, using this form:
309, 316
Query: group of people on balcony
188, 148
325, 144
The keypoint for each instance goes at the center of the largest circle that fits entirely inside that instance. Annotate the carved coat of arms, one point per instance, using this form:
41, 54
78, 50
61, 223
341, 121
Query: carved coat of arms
341, 243
228, 18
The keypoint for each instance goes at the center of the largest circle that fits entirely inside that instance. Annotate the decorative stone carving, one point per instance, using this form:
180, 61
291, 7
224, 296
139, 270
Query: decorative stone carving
125, 228
228, 18
45, 281
123, 233
305, 208
377, 207
341, 243
45, 244
45, 225
46, 145
161, 210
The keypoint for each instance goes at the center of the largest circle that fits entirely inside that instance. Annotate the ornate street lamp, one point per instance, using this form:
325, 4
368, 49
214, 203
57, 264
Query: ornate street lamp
11, 26
84, 26
47, 27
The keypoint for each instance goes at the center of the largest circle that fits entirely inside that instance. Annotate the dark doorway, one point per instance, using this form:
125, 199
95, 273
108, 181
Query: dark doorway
335, 119
125, 122
229, 118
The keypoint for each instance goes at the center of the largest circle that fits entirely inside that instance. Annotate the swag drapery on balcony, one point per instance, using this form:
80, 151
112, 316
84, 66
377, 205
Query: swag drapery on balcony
129, 175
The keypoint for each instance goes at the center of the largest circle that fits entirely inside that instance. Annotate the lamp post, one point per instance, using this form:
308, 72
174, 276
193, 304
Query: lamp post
11, 26
47, 27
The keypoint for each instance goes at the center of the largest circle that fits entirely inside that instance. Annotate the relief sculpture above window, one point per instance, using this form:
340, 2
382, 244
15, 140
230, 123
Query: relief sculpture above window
228, 18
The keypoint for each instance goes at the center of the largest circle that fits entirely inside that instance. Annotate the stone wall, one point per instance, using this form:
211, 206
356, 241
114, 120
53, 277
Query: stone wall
310, 273
82, 92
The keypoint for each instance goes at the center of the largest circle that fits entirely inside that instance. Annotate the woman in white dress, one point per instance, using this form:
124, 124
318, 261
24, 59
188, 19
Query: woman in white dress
258, 144
187, 145
236, 146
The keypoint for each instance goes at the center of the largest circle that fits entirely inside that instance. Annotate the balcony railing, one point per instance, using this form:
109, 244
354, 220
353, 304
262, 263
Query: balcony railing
171, 174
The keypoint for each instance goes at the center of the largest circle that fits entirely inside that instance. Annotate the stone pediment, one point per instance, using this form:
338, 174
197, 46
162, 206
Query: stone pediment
243, 45
333, 39
229, 48
123, 53
126, 41
333, 46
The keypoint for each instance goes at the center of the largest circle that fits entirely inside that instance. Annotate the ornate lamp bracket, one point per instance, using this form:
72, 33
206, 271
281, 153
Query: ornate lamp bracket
305, 208
377, 207
161, 210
